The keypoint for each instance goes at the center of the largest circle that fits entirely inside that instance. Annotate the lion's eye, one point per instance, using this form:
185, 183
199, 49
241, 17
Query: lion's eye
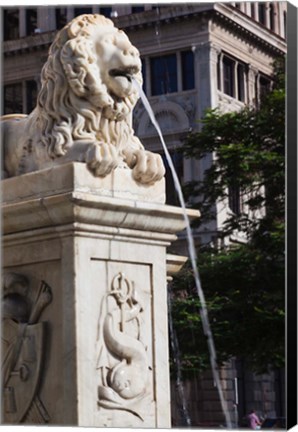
109, 39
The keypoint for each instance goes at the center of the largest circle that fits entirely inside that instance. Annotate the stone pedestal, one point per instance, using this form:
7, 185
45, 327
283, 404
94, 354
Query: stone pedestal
84, 265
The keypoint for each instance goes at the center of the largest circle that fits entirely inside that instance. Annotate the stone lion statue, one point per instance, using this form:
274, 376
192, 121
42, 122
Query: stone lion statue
84, 107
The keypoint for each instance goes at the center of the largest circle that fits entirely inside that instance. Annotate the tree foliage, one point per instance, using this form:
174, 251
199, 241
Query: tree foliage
244, 284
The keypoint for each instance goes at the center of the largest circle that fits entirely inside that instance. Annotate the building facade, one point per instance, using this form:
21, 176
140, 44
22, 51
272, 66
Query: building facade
195, 56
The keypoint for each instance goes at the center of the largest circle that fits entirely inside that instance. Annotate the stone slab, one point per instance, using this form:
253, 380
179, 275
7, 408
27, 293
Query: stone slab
76, 176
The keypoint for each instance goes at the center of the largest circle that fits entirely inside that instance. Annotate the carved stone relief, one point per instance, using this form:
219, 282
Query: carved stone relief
122, 360
23, 339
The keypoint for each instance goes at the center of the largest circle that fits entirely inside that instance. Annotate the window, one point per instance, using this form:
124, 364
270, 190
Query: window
11, 24
234, 199
262, 13
61, 17
106, 11
171, 195
271, 11
163, 74
31, 21
13, 101
264, 86
228, 76
234, 77
137, 9
285, 24
82, 11
218, 72
241, 81
31, 94
252, 10
188, 75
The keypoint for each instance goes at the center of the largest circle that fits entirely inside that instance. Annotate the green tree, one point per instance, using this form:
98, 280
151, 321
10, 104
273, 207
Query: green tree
243, 284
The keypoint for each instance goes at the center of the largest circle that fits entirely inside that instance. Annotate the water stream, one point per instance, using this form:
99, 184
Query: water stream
177, 360
193, 260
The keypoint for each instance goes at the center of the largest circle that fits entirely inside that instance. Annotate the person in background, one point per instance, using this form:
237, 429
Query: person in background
254, 421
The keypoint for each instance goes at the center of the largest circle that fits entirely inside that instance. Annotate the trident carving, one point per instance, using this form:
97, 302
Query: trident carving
124, 382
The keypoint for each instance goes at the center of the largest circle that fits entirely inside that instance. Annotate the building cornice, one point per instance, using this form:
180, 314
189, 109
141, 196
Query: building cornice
221, 13
249, 29
26, 44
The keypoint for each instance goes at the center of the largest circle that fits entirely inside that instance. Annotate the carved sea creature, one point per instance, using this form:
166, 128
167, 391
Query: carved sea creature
129, 377
122, 356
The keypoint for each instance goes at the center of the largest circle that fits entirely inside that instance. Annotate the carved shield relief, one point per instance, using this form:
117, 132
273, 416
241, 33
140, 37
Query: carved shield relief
22, 349
22, 383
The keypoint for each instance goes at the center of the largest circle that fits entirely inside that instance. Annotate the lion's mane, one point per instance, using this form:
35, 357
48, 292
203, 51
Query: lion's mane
73, 103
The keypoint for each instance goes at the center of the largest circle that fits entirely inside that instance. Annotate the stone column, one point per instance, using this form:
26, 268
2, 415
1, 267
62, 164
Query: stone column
275, 18
256, 6
179, 72
206, 57
236, 95
248, 6
85, 299
46, 19
220, 77
252, 73
22, 22
69, 13
267, 15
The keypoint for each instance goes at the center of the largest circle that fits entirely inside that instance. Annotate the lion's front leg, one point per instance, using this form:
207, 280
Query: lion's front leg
101, 159
147, 167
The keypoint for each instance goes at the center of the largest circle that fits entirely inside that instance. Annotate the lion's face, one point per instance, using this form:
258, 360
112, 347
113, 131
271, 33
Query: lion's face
88, 79
119, 63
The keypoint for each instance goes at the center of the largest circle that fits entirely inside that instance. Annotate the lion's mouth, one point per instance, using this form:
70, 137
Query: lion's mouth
125, 72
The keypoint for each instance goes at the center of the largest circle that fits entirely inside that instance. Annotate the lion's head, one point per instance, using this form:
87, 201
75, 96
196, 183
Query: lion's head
86, 85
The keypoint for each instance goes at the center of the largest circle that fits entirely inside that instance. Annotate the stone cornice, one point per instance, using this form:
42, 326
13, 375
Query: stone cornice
225, 14
165, 15
68, 196
248, 28
27, 44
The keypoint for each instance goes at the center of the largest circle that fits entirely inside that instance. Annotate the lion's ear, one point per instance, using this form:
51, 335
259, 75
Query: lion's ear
80, 68
76, 27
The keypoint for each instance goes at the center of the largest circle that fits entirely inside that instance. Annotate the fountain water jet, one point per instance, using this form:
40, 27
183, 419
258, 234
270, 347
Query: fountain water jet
193, 259
175, 348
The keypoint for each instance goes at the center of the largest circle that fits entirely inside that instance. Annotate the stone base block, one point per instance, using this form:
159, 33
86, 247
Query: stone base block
85, 299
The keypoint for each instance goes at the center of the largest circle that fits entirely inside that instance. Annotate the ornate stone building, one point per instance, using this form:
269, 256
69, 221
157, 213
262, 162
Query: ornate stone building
195, 56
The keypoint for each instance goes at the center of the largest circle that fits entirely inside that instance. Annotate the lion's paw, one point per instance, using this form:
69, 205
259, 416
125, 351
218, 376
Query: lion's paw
148, 167
101, 159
